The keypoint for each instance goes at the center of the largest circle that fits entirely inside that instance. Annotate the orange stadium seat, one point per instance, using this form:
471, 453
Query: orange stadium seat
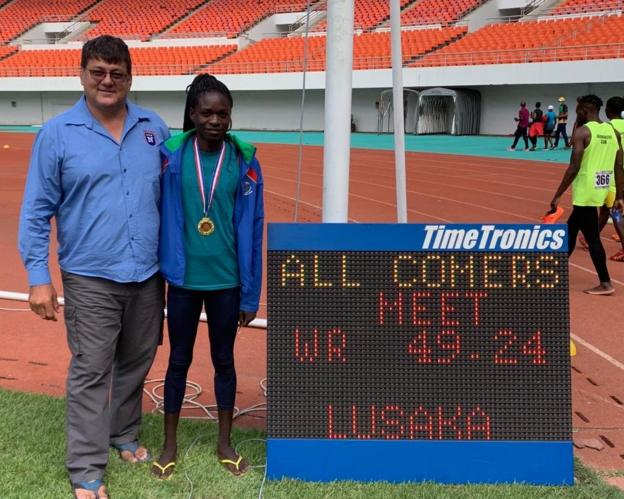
370, 51
21, 15
241, 15
587, 6
368, 14
437, 11
535, 41
6, 51
137, 19
148, 61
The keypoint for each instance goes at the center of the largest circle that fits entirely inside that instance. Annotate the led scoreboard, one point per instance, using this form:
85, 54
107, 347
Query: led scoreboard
419, 352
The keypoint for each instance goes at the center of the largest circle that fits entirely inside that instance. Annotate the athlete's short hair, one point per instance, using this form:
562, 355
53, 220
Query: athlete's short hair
615, 106
591, 100
109, 49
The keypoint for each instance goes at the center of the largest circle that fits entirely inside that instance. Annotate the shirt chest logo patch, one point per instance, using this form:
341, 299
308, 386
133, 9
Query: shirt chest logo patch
247, 188
150, 137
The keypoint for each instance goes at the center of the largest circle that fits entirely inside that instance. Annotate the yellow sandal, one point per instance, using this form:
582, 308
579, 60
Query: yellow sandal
236, 464
160, 472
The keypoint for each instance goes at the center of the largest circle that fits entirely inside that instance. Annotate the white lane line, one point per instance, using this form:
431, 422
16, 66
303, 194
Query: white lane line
351, 195
585, 269
598, 352
315, 206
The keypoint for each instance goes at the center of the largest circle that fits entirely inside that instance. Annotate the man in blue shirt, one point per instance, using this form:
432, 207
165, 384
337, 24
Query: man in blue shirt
549, 127
96, 168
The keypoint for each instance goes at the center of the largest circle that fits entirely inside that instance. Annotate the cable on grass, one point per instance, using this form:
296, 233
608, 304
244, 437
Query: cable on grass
194, 390
186, 475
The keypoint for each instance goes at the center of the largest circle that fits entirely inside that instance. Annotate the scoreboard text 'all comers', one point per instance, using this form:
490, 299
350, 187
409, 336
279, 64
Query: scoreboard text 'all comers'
419, 352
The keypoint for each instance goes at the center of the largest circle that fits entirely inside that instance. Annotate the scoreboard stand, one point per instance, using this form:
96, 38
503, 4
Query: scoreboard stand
419, 353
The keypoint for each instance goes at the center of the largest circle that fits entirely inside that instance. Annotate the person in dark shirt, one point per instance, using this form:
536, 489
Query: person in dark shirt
537, 125
521, 130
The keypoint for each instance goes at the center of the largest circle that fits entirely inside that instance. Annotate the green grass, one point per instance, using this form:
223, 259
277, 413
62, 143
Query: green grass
32, 448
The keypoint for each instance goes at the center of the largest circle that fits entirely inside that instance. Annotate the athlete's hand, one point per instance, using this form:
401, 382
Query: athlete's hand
43, 301
553, 204
244, 318
619, 205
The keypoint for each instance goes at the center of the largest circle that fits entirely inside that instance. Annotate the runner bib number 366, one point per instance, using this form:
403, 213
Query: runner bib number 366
602, 180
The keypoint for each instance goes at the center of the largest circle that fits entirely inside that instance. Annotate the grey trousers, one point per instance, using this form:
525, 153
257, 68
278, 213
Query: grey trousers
113, 331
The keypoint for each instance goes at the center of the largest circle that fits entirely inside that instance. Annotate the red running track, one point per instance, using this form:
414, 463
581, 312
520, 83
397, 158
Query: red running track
441, 188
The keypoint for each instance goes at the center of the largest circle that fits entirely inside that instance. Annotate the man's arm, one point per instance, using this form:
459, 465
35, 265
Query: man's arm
618, 168
580, 141
42, 196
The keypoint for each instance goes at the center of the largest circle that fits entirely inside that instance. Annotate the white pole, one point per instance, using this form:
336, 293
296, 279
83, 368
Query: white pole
336, 152
397, 103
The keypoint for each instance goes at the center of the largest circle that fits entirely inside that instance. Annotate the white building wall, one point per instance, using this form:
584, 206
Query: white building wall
20, 108
272, 102
500, 104
512, 4
168, 105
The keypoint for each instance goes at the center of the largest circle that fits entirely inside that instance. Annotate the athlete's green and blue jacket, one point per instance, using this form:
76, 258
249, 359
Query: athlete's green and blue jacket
248, 218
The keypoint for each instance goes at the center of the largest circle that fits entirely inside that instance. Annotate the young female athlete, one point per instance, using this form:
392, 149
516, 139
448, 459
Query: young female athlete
212, 218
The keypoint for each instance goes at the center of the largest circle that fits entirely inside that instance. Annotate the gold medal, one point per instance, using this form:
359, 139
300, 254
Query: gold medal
206, 226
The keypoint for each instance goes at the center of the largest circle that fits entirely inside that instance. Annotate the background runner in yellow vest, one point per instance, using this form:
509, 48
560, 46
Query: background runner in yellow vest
613, 110
596, 159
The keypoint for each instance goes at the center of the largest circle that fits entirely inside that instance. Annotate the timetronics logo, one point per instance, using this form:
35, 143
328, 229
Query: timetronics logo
489, 237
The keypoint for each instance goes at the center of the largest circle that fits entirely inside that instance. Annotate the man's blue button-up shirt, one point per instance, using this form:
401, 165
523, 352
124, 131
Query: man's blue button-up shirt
105, 196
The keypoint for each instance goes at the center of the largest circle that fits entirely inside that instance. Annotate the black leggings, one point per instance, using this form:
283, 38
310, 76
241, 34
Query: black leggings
520, 132
183, 309
585, 219
533, 141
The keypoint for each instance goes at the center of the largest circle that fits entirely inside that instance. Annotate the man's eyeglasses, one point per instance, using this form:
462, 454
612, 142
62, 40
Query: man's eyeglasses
99, 75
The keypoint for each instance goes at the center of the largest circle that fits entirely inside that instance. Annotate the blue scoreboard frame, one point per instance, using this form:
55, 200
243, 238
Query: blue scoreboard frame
419, 352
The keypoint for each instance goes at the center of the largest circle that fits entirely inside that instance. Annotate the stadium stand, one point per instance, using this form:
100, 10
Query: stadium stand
370, 51
145, 61
19, 16
367, 14
241, 15
274, 55
588, 6
139, 20
6, 51
41, 63
535, 41
437, 11
576, 32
